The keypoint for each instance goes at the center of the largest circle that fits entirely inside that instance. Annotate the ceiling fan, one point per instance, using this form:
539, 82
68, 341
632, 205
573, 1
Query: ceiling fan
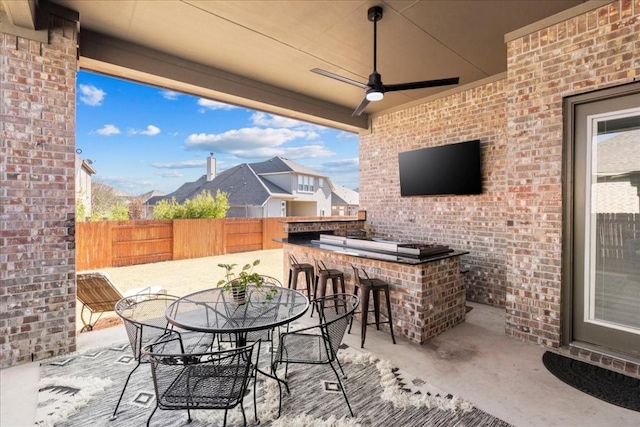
375, 89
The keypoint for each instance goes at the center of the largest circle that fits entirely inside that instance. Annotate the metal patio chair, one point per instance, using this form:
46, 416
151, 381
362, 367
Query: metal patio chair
146, 323
319, 344
211, 380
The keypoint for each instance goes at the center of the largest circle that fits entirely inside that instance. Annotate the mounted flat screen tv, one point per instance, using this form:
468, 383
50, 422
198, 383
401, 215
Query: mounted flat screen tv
447, 169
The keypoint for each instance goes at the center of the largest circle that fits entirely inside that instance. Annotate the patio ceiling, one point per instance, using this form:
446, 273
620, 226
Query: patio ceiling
259, 53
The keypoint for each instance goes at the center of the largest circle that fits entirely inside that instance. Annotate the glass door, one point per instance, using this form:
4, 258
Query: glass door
606, 224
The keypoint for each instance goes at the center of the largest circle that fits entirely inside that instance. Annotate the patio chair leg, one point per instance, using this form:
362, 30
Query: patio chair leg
115, 411
255, 404
188, 416
342, 388
344, 376
244, 417
88, 325
224, 424
153, 412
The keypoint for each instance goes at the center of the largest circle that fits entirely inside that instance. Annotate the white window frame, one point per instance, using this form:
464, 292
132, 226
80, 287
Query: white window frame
305, 184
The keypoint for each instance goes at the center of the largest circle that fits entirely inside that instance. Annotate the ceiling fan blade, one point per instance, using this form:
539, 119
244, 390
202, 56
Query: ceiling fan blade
360, 107
421, 85
340, 78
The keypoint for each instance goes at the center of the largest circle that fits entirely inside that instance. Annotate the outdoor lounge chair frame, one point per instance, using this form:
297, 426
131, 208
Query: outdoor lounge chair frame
99, 295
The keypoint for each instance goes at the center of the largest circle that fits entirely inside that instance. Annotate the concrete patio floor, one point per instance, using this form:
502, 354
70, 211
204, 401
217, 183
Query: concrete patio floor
474, 360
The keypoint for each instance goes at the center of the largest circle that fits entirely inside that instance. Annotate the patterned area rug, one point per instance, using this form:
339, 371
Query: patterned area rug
82, 390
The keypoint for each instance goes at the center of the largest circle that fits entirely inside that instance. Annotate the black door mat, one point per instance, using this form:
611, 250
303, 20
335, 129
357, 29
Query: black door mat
613, 387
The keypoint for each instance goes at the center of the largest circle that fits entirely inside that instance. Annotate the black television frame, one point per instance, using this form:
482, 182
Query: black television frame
451, 169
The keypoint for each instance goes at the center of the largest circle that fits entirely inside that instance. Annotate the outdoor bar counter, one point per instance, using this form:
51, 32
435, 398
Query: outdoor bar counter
427, 293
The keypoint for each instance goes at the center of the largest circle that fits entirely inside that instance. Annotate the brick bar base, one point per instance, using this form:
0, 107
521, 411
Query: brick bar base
426, 299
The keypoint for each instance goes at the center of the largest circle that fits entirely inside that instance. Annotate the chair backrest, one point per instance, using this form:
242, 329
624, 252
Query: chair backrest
213, 380
320, 266
293, 260
96, 291
270, 281
336, 311
356, 274
144, 319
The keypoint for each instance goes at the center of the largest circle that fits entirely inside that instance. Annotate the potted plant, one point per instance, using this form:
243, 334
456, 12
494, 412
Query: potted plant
238, 283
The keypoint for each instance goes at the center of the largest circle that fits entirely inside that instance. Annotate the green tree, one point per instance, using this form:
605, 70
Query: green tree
136, 209
203, 205
81, 210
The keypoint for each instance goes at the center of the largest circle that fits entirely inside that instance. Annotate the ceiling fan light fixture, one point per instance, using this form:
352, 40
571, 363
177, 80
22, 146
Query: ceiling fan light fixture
375, 89
374, 95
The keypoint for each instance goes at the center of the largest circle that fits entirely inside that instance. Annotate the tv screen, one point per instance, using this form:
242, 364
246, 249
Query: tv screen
447, 169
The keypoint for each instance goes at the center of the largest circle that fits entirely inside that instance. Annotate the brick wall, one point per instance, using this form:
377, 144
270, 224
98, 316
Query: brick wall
513, 230
474, 223
37, 129
598, 49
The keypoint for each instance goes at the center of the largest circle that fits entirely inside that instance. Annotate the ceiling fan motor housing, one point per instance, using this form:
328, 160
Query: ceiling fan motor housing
374, 13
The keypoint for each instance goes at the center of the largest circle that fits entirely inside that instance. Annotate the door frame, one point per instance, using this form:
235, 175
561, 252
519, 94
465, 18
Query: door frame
570, 103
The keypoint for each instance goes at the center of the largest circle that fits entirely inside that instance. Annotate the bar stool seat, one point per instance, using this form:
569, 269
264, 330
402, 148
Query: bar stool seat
323, 275
295, 268
371, 286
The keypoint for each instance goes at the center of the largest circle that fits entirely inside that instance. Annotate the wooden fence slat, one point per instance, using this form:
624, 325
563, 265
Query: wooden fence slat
119, 243
198, 238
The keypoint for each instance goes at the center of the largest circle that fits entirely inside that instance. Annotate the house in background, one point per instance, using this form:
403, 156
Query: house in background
84, 170
344, 201
618, 174
276, 187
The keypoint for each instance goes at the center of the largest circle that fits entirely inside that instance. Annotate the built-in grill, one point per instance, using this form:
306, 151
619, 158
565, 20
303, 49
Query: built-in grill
414, 250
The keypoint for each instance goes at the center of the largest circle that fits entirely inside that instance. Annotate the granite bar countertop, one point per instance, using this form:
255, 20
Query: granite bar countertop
361, 253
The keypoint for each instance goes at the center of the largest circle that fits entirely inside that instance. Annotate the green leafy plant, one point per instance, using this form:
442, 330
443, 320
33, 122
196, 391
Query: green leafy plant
203, 205
238, 283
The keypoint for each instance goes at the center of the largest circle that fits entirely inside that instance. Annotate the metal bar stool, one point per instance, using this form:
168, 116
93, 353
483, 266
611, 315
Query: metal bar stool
323, 275
374, 286
295, 268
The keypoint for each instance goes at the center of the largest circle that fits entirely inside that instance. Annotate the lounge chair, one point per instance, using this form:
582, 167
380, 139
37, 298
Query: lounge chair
99, 295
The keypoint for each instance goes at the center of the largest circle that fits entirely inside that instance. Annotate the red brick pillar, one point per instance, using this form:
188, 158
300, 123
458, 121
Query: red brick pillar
37, 193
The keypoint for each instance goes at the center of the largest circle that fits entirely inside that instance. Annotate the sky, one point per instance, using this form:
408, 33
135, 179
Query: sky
141, 138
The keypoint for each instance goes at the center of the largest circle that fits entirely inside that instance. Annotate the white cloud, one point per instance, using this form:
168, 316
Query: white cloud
169, 94
180, 165
305, 152
171, 174
346, 135
238, 140
91, 95
271, 120
108, 130
150, 131
208, 104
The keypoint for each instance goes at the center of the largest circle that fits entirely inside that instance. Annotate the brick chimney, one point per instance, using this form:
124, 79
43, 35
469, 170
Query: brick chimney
211, 167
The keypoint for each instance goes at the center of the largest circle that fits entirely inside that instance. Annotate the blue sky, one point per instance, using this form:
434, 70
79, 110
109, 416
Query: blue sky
142, 138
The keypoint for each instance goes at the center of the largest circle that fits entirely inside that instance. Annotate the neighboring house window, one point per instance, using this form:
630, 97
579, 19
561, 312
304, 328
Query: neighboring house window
321, 182
305, 183
283, 208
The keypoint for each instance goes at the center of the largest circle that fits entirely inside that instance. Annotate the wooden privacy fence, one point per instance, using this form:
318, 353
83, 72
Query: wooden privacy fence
618, 242
119, 243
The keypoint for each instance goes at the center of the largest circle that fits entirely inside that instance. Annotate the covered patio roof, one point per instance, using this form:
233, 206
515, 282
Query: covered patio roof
258, 54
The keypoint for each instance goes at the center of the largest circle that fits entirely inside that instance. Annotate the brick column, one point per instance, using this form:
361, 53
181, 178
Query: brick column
37, 195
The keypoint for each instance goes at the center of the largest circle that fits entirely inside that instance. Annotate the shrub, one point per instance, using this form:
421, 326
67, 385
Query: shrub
203, 205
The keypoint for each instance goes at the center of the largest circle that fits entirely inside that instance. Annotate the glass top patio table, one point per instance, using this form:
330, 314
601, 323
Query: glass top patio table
215, 310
